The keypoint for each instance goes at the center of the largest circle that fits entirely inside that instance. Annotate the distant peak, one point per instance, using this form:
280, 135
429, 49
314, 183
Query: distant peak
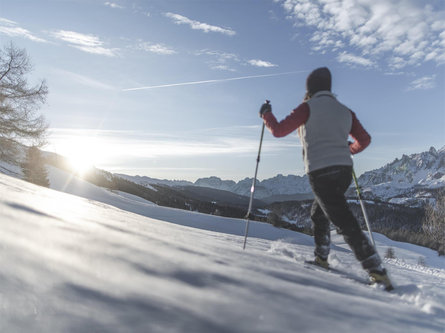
205, 179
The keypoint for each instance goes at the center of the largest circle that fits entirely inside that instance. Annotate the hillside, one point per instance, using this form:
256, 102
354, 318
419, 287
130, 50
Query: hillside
76, 265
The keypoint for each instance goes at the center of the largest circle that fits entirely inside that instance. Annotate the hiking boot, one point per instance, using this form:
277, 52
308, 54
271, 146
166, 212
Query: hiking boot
319, 261
381, 278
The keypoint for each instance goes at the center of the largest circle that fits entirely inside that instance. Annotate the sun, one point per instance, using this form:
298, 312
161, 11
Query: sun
85, 150
80, 164
81, 155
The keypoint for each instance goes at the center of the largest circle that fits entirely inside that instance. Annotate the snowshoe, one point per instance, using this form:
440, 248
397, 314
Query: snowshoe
320, 262
381, 278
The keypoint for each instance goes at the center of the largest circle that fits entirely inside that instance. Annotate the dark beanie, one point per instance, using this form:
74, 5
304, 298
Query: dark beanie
320, 79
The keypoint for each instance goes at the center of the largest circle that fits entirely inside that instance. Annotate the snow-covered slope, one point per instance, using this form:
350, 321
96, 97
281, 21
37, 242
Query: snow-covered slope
10, 169
75, 265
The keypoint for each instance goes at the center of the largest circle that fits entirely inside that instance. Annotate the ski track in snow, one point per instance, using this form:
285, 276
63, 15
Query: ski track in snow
76, 265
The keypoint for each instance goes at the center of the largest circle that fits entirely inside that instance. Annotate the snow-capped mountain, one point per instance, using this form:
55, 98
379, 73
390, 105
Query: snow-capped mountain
406, 177
409, 179
278, 185
146, 181
216, 183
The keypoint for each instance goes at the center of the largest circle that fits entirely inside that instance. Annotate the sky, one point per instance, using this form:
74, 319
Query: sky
171, 89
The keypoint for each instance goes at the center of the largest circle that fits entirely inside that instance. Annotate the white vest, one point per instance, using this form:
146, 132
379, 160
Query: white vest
325, 133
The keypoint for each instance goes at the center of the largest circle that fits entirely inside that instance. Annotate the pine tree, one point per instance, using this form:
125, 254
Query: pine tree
274, 219
34, 169
434, 223
390, 254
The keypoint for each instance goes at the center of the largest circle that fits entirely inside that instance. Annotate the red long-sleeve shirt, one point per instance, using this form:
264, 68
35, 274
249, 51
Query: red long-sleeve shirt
300, 115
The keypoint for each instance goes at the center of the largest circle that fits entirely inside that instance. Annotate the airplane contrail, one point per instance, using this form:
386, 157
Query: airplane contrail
211, 81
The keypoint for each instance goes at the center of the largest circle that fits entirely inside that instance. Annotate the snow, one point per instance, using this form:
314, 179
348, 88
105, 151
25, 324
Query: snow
264, 211
72, 264
400, 201
69, 183
420, 171
10, 169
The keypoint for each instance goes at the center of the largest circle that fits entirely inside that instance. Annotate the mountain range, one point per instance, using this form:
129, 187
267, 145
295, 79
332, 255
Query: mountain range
409, 180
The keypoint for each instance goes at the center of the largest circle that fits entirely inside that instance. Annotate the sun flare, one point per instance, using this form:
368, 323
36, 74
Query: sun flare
80, 164
81, 154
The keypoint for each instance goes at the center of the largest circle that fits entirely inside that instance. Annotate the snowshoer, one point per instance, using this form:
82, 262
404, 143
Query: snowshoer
324, 126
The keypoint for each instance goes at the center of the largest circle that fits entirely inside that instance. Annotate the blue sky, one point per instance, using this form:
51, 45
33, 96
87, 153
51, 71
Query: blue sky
171, 89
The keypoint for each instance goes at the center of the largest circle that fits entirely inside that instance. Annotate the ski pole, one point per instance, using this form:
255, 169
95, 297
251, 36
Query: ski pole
252, 189
365, 215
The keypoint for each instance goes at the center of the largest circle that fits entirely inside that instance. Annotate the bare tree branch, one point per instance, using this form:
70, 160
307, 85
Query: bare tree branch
20, 102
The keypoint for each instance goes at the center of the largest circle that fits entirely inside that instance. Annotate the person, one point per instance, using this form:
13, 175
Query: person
324, 126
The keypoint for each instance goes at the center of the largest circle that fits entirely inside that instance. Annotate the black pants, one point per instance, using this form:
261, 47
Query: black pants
329, 186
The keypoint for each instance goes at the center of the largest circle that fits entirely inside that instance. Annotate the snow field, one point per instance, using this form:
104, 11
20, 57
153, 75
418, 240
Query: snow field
71, 264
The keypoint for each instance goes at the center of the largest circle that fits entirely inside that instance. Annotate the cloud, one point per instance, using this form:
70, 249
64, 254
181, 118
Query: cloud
126, 145
144, 151
220, 60
11, 28
423, 83
87, 43
261, 63
354, 60
156, 48
7, 22
399, 33
228, 61
113, 5
196, 25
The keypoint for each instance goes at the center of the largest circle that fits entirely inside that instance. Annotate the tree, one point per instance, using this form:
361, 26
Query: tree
422, 262
274, 219
34, 169
390, 254
434, 223
19, 102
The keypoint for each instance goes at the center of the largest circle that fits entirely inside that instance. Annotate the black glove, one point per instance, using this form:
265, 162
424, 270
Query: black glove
266, 107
